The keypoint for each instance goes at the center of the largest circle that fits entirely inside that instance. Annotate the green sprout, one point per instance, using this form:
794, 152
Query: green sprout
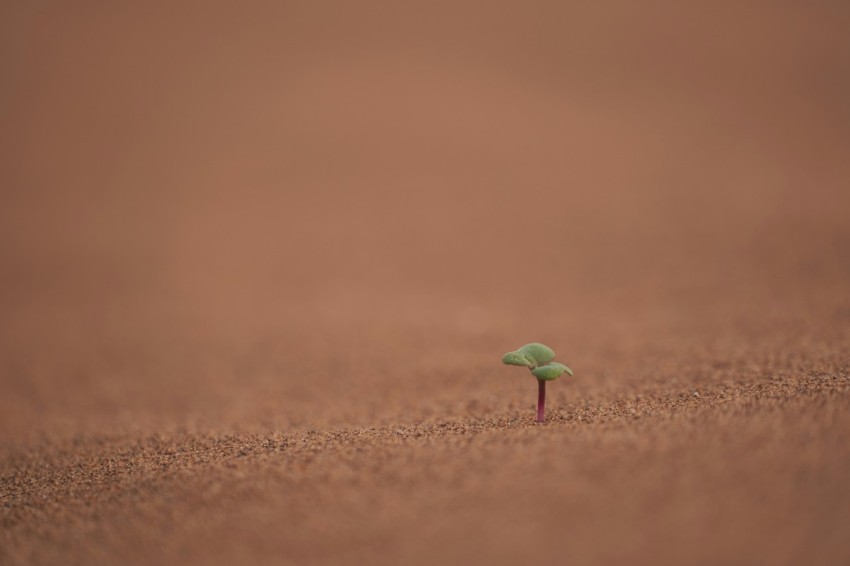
538, 358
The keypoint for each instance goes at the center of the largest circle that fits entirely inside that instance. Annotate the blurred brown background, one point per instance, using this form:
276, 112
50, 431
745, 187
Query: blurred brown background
268, 218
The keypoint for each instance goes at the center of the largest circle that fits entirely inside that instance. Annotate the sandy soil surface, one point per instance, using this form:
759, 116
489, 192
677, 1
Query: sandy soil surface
259, 266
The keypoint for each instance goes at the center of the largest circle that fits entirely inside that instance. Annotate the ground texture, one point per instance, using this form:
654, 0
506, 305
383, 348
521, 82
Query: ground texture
259, 268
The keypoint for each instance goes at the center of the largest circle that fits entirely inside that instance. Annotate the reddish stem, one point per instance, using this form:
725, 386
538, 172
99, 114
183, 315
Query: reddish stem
541, 399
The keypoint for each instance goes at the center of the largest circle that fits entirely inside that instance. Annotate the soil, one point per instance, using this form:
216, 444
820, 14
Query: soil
260, 265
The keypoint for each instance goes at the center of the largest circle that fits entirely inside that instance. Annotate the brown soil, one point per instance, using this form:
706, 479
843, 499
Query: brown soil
259, 268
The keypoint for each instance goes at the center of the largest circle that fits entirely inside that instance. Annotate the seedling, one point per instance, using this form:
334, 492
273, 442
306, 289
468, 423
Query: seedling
538, 358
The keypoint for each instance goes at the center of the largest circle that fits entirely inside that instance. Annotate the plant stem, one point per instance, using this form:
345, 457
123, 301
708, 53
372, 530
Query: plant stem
541, 399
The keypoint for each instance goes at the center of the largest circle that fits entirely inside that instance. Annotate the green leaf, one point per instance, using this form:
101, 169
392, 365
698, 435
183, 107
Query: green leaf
518, 359
551, 371
540, 353
531, 355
